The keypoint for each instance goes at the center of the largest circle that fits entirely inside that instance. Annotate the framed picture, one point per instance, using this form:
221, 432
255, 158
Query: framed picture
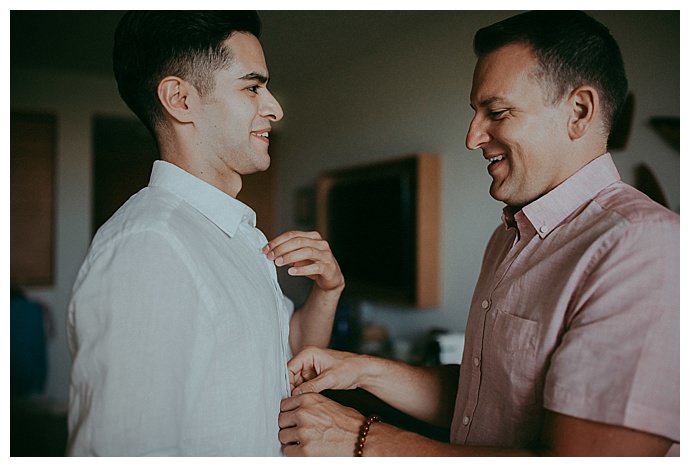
32, 179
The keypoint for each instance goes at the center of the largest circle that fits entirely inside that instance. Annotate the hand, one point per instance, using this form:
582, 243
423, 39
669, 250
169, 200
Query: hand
313, 425
309, 255
315, 369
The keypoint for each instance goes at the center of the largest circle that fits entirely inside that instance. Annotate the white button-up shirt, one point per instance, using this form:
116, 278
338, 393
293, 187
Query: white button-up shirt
178, 329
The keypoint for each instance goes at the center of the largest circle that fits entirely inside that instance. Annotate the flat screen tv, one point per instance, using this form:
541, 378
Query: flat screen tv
381, 221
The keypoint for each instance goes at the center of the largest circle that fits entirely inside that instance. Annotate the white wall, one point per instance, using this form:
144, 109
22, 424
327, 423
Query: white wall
356, 87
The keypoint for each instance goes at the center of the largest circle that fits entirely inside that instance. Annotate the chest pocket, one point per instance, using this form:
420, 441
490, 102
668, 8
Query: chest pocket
510, 365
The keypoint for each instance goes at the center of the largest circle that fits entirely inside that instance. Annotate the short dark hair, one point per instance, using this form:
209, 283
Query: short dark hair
150, 45
572, 49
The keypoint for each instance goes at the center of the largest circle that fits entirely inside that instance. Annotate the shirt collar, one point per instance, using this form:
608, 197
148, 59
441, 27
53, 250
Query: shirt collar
547, 212
218, 207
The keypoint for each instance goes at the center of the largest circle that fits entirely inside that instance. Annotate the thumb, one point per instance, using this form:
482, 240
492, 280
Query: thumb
318, 384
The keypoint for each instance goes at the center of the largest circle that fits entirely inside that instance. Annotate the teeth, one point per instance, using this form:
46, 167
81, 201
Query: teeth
264, 134
496, 159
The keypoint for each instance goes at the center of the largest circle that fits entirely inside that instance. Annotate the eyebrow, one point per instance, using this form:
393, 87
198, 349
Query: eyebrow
254, 76
491, 100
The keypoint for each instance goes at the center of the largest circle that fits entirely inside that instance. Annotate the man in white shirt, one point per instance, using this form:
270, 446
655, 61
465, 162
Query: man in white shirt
177, 325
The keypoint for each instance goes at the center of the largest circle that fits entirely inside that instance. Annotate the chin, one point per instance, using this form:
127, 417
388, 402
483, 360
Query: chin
264, 167
261, 164
495, 193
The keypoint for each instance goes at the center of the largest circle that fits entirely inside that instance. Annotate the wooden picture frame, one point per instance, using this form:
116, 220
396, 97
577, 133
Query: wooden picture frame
365, 235
32, 192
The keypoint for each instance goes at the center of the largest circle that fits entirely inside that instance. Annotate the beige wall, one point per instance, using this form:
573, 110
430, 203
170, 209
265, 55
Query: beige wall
74, 100
356, 87
398, 82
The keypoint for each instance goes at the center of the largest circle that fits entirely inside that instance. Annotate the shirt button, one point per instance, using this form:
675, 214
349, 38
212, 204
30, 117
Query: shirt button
475, 361
465, 420
485, 304
543, 229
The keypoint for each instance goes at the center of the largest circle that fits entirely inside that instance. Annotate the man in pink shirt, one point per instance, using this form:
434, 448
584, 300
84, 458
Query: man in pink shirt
572, 341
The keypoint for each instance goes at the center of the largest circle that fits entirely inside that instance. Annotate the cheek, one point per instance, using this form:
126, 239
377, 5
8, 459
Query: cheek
525, 146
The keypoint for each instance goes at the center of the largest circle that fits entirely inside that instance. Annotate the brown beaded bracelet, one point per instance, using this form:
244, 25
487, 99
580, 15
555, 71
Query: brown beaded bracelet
363, 432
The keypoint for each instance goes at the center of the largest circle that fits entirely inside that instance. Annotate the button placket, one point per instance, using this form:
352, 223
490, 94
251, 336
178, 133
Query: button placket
475, 384
258, 239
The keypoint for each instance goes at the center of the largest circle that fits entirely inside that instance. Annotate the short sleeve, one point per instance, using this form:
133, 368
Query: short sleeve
619, 359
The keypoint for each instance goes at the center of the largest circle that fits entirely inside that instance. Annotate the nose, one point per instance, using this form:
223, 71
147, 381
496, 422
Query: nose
477, 135
270, 108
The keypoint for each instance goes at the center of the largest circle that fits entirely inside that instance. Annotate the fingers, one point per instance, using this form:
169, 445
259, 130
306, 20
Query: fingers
293, 450
295, 380
312, 424
309, 255
304, 361
288, 436
292, 403
287, 418
298, 375
314, 370
305, 254
298, 380
286, 405
307, 365
326, 380
285, 236
289, 241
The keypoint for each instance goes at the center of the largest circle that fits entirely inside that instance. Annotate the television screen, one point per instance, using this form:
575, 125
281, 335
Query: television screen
371, 227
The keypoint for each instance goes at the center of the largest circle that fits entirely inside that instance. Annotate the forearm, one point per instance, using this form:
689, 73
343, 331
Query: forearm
387, 440
424, 393
312, 324
313, 425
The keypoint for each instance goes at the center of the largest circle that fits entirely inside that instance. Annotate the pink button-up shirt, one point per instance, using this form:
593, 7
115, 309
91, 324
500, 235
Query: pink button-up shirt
577, 311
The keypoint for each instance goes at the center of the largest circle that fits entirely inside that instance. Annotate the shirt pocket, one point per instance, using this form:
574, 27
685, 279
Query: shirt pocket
511, 363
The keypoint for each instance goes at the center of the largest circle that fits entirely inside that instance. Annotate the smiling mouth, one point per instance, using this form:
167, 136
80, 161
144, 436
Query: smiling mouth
495, 159
263, 135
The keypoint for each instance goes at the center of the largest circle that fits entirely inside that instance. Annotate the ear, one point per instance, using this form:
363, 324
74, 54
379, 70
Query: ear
583, 105
176, 96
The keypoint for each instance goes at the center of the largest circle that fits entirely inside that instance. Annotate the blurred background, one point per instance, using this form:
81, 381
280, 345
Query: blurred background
357, 87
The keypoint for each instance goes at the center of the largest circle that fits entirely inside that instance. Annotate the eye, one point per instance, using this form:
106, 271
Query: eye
254, 89
498, 114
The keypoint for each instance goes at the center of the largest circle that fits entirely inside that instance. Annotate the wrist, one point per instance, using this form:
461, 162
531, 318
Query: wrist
332, 294
384, 440
370, 372
363, 433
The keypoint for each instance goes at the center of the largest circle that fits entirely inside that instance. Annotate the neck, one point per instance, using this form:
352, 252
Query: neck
187, 157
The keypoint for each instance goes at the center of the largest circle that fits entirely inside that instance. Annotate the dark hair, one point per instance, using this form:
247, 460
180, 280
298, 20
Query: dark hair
572, 48
150, 45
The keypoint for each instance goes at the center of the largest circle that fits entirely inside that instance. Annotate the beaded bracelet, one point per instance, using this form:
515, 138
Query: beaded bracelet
363, 432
